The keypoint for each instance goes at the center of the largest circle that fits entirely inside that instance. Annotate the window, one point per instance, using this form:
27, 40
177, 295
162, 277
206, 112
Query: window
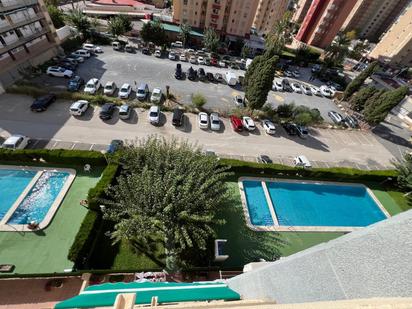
184, 2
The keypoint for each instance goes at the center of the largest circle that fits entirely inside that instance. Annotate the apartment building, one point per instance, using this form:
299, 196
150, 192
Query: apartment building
301, 10
268, 13
27, 36
371, 18
323, 21
232, 17
396, 44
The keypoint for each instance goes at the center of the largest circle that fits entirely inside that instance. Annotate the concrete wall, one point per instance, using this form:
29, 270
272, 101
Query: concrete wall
372, 262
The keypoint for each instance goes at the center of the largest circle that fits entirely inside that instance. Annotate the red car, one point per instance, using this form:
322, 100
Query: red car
213, 61
236, 123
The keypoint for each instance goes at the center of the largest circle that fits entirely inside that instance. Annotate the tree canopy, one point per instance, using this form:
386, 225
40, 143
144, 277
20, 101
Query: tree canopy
79, 20
405, 173
280, 34
168, 190
358, 101
358, 81
56, 15
211, 40
119, 25
185, 30
153, 32
339, 48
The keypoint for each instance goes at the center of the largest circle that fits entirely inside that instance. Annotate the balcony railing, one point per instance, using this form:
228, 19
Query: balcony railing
23, 40
10, 6
214, 16
21, 23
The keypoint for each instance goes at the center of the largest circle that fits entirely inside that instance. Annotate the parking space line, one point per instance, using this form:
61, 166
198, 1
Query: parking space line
55, 143
35, 142
74, 144
91, 146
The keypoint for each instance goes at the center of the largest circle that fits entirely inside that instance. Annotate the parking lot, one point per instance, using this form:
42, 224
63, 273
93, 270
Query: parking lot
56, 128
122, 67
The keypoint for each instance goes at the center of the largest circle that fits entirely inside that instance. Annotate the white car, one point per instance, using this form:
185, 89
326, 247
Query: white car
306, 90
183, 58
172, 55
325, 91
302, 161
156, 96
277, 85
78, 108
193, 60
75, 57
201, 60
214, 122
222, 64
177, 44
336, 117
82, 53
154, 114
248, 123
92, 86
315, 90
296, 87
92, 48
157, 53
239, 101
288, 74
268, 126
190, 50
59, 72
203, 120
125, 91
109, 88
16, 141
296, 73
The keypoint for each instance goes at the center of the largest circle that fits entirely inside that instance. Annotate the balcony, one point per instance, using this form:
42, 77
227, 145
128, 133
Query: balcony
214, 16
23, 40
21, 23
10, 6
216, 6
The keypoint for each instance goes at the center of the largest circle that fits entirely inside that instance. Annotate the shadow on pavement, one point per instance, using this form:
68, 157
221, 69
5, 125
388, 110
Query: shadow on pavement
386, 133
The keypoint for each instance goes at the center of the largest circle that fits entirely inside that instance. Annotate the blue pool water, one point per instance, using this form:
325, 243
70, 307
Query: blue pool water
12, 184
299, 204
40, 198
256, 203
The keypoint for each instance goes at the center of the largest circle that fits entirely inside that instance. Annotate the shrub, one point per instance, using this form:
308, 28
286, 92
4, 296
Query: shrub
98, 192
72, 44
356, 83
358, 101
286, 110
83, 242
198, 100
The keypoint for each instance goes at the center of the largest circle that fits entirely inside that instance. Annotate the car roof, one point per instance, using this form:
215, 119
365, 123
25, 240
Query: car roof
110, 82
156, 90
154, 108
12, 139
78, 103
93, 80
124, 108
202, 115
125, 85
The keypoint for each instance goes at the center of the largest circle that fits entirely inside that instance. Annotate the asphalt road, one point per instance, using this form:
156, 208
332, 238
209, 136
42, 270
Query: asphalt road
325, 148
122, 67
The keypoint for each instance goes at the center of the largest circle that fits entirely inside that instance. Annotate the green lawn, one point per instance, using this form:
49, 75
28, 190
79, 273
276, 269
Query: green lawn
46, 251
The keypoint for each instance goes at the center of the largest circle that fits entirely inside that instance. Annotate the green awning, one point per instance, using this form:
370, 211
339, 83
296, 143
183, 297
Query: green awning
167, 292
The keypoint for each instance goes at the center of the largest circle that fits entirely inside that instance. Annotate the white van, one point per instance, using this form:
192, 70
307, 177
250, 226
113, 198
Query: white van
82, 53
302, 161
116, 45
231, 78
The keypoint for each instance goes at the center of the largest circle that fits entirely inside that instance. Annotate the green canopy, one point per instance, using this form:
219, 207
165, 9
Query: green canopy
105, 294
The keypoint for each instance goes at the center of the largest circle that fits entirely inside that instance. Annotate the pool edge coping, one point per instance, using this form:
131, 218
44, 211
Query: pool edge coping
295, 228
4, 227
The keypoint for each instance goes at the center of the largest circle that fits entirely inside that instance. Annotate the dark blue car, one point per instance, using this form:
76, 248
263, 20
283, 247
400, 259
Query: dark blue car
114, 146
75, 83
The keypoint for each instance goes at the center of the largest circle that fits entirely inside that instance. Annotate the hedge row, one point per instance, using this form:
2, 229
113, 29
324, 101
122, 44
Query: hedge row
79, 251
98, 192
338, 173
60, 156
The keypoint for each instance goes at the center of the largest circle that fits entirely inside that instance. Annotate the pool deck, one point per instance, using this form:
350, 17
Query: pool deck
53, 208
293, 228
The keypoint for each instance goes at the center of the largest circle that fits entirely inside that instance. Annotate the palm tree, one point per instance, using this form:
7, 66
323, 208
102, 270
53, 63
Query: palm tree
336, 52
79, 20
277, 38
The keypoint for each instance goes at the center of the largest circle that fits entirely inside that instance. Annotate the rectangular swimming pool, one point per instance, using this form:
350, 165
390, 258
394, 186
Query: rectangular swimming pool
309, 205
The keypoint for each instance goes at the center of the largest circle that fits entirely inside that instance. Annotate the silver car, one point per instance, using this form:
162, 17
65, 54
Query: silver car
214, 122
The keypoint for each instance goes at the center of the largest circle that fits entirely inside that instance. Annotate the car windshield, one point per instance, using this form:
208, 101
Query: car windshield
153, 114
73, 83
215, 121
140, 91
90, 85
125, 89
109, 87
8, 145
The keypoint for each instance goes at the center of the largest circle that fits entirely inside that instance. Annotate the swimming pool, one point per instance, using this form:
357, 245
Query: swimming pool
30, 194
310, 205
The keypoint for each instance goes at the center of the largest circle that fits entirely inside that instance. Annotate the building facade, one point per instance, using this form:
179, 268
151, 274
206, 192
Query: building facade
371, 18
233, 17
395, 46
268, 13
301, 10
27, 37
323, 21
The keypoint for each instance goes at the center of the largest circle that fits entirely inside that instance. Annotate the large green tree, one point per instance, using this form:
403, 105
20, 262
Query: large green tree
168, 190
79, 20
358, 81
153, 32
405, 174
280, 34
119, 25
337, 51
211, 40
56, 15
376, 111
358, 101
184, 35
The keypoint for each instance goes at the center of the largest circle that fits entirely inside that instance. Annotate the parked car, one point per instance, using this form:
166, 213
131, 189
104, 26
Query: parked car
290, 128
42, 103
191, 74
325, 91
114, 146
67, 65
351, 122
315, 90
71, 61
336, 117
210, 77
201, 61
306, 90
183, 58
222, 64
268, 126
145, 51
193, 59
117, 46
296, 87
59, 72
219, 77
92, 48
286, 85
178, 71
264, 159
125, 91
248, 123
177, 119
79, 107
236, 123
75, 83
214, 122
239, 101
154, 114
16, 141
172, 55
303, 131
203, 120
109, 88
142, 92
202, 74
288, 73
302, 161
156, 96
107, 111
82, 53
158, 53
177, 44
125, 111
92, 86
277, 85
76, 57
214, 62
